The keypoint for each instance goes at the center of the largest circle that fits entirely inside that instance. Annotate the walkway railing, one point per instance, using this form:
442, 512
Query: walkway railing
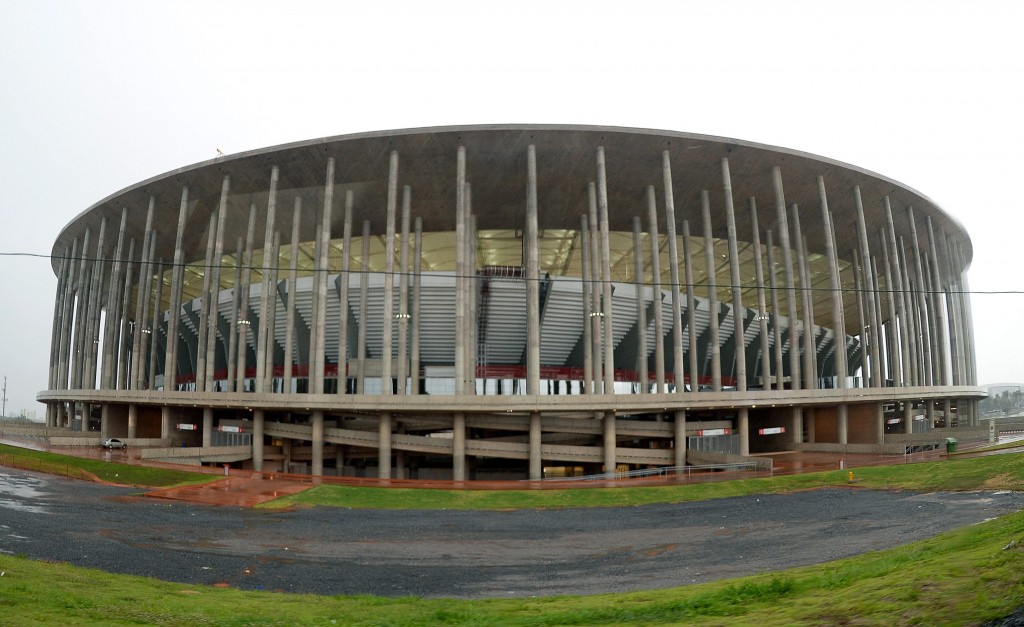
661, 472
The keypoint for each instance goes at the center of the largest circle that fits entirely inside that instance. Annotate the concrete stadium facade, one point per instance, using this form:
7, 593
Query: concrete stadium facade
563, 300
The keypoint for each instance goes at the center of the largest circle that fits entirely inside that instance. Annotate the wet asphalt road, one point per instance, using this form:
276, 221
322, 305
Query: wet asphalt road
465, 554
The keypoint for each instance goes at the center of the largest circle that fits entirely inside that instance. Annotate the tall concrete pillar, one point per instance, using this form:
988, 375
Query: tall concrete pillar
807, 302
531, 244
712, 271
403, 294
344, 284
536, 441
258, 418
782, 221
107, 372
905, 334
317, 465
924, 326
908, 417
156, 325
460, 272
414, 357
892, 336
836, 287
673, 261
139, 341
271, 295
596, 291
843, 418
235, 321
606, 277
104, 420
738, 311
773, 288
691, 310
318, 356
265, 340
387, 371
762, 308
244, 321
293, 279
364, 295
589, 309
877, 376
659, 324
941, 322
123, 341
459, 447
204, 303
218, 255
643, 379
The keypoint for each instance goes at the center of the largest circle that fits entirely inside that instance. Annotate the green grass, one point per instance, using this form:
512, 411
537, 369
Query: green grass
961, 577
997, 472
112, 472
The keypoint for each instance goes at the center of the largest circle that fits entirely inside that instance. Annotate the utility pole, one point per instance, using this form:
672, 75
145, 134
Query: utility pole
4, 414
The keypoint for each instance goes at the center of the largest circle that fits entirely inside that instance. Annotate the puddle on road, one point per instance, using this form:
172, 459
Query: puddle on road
19, 490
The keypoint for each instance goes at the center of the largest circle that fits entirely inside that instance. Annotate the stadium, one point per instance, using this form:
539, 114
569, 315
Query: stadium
512, 302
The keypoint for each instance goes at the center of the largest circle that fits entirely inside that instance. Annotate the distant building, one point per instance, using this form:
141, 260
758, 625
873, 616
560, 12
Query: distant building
560, 300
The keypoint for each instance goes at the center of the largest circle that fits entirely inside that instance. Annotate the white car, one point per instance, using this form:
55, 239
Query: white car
112, 443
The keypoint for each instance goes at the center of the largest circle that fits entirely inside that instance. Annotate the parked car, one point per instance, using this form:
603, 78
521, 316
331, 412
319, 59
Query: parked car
112, 443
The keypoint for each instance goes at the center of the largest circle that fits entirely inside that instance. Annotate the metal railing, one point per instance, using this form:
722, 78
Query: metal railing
660, 472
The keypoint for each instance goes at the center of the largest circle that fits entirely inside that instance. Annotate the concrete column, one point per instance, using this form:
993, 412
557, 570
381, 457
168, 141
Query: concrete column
780, 383
691, 309
293, 279
787, 262
56, 328
104, 420
218, 255
536, 440
894, 341
608, 427
807, 301
207, 426
952, 305
659, 324
908, 417
384, 446
233, 322
869, 285
387, 371
797, 422
843, 418
112, 320
858, 284
929, 408
265, 340
414, 358
597, 315
641, 308
836, 287
121, 346
762, 309
673, 262
403, 294
344, 283
77, 348
589, 309
364, 295
738, 311
473, 328
679, 436
531, 244
271, 296
318, 357
165, 422
743, 426
137, 371
916, 366
922, 301
810, 426
133, 420
258, 418
317, 465
905, 335
204, 303
92, 327
709, 259
244, 322
606, 280
459, 447
67, 309
156, 325
941, 322
460, 272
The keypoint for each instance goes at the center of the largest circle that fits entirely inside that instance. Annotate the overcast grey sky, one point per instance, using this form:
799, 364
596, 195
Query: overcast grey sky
95, 96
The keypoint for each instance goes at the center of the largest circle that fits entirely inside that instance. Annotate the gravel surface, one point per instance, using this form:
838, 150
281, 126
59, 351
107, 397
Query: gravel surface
478, 554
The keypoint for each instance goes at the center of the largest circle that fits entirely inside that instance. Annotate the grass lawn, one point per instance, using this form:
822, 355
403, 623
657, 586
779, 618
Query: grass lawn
996, 472
112, 472
966, 576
